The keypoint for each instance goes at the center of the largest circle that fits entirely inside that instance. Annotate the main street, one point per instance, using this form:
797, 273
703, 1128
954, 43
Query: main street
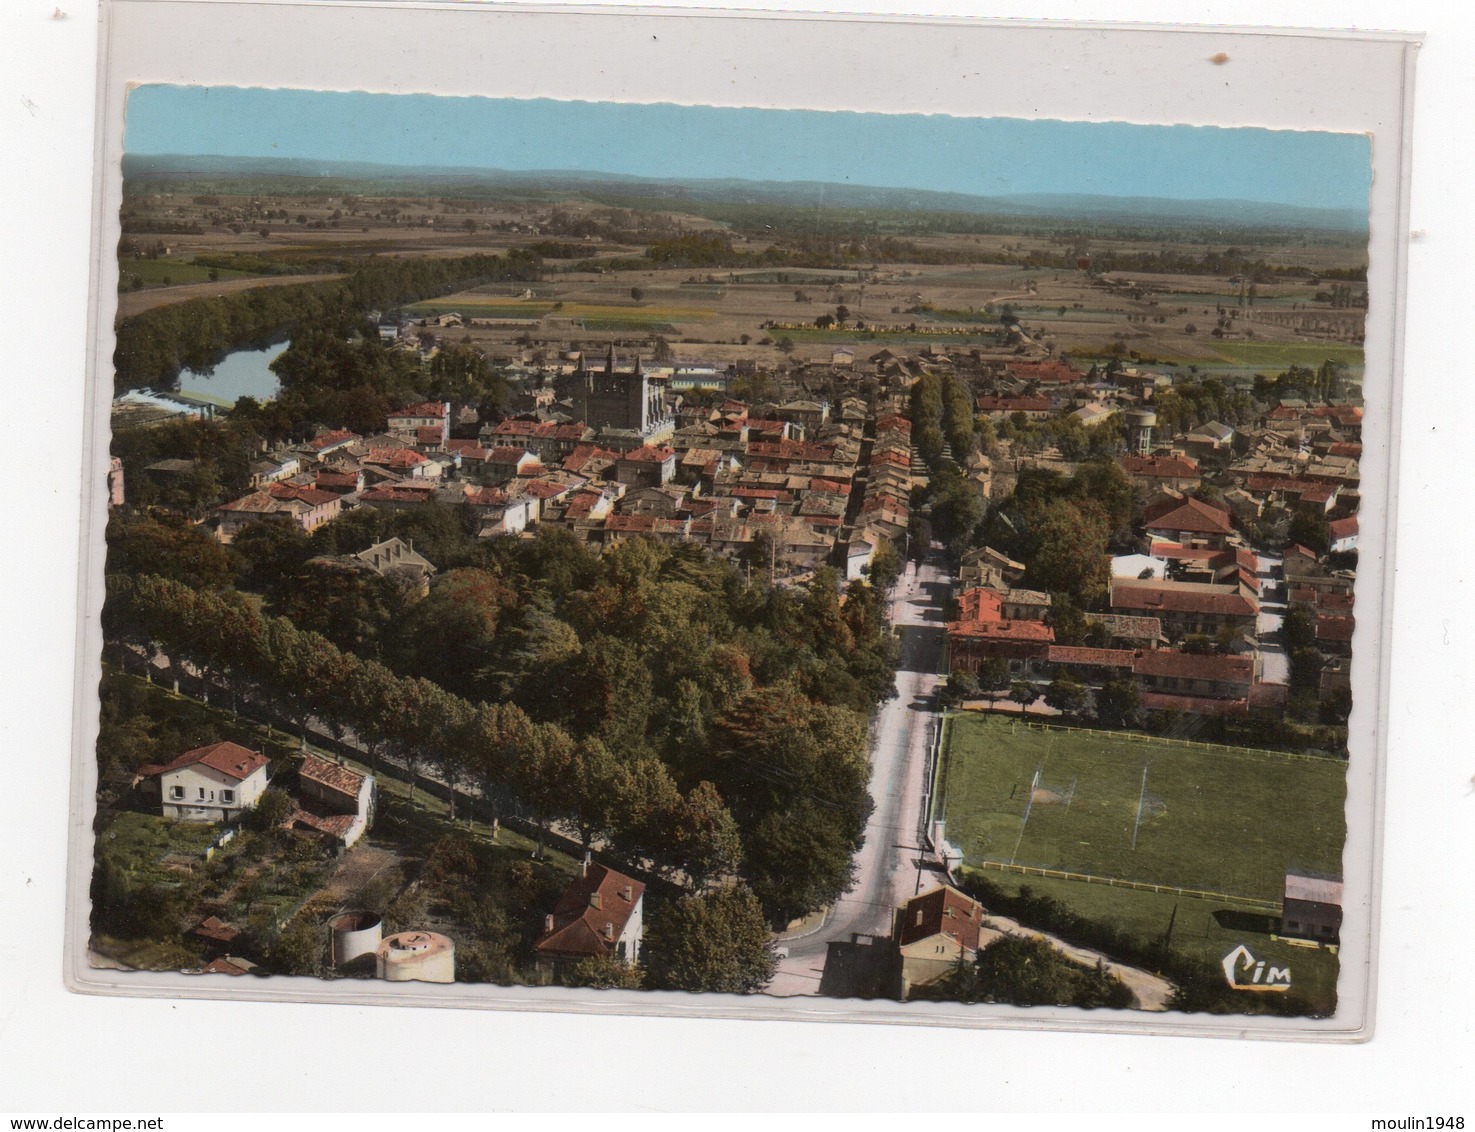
892, 863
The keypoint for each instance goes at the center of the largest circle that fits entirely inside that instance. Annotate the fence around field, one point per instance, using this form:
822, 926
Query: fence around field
1117, 882
1140, 737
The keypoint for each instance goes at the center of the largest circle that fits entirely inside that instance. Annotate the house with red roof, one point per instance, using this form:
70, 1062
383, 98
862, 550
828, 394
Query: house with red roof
1153, 473
998, 408
308, 507
935, 933
600, 915
432, 416
403, 462
215, 783
332, 800
1342, 535
646, 466
1187, 607
1192, 523
332, 441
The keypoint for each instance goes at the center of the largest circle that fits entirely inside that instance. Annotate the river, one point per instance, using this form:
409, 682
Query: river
241, 373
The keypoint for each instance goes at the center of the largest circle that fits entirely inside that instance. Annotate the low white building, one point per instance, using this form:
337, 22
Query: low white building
212, 784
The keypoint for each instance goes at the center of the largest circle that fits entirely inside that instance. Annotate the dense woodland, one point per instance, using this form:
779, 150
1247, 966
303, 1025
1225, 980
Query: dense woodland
648, 698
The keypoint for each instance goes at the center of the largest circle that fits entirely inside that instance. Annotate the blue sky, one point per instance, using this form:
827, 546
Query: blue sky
986, 156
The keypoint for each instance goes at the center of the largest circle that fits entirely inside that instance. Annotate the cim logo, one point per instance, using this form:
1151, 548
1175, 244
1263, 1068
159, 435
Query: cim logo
1242, 971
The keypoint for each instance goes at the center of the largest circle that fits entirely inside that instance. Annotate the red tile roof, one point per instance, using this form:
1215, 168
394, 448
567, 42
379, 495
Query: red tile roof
1195, 516
421, 409
943, 911
330, 439
591, 913
508, 454
311, 496
1160, 467
399, 493
215, 929
1168, 597
344, 779
1194, 705
1052, 371
1108, 658
649, 455
395, 457
227, 758
1330, 627
1013, 404
223, 967
1195, 666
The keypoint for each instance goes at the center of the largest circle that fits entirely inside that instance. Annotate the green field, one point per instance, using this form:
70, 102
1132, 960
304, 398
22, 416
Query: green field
631, 317
1217, 819
1282, 355
172, 272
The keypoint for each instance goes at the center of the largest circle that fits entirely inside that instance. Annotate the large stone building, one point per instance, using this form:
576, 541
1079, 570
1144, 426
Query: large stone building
619, 402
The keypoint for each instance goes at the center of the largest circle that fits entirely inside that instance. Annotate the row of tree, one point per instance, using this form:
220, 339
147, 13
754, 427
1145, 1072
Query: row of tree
538, 769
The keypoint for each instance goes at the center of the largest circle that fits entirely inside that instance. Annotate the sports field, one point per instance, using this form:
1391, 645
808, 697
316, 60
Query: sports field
1219, 819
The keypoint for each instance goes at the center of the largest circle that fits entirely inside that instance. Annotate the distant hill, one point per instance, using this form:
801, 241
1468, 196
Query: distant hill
304, 174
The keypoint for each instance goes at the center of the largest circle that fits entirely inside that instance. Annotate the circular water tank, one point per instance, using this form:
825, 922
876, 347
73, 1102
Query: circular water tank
1142, 418
426, 957
355, 934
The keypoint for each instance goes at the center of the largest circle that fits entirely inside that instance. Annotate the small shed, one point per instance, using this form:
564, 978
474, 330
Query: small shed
1311, 908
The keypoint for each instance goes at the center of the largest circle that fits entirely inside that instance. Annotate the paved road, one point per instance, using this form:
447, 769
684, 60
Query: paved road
890, 865
1275, 665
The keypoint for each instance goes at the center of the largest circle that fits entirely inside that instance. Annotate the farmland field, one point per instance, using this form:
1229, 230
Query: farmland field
1211, 818
167, 272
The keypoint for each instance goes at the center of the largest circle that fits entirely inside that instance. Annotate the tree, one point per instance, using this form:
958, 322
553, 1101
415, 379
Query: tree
993, 675
705, 835
637, 293
271, 809
1023, 693
604, 973
1118, 704
717, 943
1310, 531
842, 314
1067, 695
298, 950
168, 547
1025, 971
961, 685
1299, 626
786, 344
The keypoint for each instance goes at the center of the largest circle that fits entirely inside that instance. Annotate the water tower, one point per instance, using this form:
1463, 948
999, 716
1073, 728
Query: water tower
1140, 423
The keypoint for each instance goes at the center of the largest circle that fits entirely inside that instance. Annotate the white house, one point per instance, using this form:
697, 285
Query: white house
1342, 534
214, 783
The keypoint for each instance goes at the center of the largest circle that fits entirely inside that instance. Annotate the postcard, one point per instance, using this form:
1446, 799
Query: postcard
592, 548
